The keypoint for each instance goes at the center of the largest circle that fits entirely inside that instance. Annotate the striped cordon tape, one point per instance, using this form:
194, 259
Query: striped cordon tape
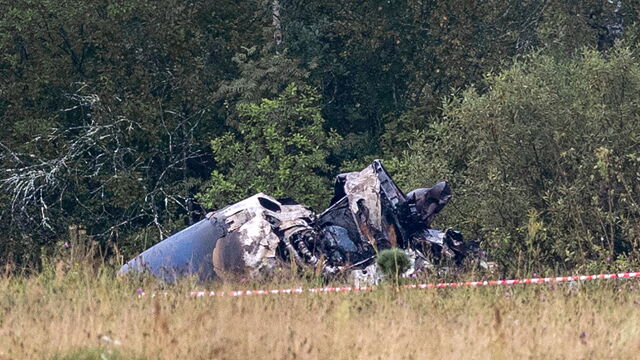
558, 279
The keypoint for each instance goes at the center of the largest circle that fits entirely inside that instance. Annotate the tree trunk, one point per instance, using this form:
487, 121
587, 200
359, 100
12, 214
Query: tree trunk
277, 25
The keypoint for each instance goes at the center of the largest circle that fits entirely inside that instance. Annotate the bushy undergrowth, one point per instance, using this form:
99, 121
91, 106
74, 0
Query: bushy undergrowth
544, 164
393, 262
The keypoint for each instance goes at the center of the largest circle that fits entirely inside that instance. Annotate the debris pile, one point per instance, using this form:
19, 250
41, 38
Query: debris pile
254, 237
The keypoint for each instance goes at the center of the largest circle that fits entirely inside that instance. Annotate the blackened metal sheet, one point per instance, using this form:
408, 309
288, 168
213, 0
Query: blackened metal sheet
339, 214
389, 188
429, 201
188, 252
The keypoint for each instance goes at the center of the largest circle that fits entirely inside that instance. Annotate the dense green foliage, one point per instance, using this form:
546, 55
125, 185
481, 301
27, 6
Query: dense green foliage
279, 147
546, 162
108, 109
393, 263
117, 115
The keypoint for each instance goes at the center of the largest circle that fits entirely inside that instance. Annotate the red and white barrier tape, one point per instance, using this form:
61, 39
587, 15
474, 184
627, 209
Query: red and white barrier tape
420, 286
526, 281
281, 291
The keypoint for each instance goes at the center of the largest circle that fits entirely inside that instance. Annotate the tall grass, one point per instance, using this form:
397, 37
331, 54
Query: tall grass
86, 313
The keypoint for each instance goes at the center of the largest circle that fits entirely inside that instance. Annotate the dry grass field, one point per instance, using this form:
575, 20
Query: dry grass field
87, 314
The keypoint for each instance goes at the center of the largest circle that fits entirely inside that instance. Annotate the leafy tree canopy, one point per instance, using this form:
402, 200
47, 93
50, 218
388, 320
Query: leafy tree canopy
279, 147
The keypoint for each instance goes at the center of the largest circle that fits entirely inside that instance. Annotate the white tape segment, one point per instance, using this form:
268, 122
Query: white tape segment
418, 286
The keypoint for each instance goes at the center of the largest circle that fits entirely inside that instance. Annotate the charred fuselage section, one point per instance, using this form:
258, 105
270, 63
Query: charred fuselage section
256, 236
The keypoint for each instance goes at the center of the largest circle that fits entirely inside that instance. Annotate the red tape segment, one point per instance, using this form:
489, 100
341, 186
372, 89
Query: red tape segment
420, 286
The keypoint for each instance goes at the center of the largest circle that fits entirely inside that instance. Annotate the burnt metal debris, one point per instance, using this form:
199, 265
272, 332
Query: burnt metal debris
259, 235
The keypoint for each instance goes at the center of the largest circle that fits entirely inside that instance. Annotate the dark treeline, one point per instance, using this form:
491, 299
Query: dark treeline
131, 118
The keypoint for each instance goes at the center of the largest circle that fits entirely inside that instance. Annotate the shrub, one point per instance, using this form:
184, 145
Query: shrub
393, 262
545, 163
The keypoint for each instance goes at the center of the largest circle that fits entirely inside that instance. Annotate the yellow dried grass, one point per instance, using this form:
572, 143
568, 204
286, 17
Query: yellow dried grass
59, 312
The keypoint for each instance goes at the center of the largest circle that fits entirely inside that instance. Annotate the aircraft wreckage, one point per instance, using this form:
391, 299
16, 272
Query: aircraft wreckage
258, 235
